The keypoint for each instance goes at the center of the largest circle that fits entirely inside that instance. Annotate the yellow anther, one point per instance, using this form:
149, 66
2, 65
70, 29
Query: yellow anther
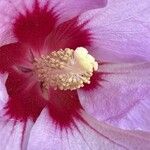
65, 69
85, 60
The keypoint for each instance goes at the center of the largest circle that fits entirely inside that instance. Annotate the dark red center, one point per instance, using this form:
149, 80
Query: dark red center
35, 30
33, 27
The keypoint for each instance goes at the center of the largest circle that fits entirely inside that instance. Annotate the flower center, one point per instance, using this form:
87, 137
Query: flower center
66, 69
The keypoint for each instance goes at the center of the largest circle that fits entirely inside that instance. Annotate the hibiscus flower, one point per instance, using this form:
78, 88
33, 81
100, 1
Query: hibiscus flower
58, 60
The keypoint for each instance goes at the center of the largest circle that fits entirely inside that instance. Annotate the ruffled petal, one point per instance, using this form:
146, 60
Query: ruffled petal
31, 21
69, 9
121, 96
120, 30
88, 134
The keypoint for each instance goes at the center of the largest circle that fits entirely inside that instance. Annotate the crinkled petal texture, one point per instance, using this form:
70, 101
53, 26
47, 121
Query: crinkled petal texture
51, 10
88, 135
121, 96
120, 30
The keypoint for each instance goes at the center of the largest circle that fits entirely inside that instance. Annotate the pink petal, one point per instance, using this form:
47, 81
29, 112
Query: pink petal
25, 98
21, 104
3, 91
26, 20
69, 9
88, 135
120, 30
18, 112
121, 96
63, 107
8, 13
14, 135
33, 26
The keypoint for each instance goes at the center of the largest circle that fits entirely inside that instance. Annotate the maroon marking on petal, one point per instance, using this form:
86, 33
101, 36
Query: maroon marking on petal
64, 107
11, 54
23, 132
12, 131
24, 102
24, 106
23, 135
16, 83
33, 27
68, 35
95, 79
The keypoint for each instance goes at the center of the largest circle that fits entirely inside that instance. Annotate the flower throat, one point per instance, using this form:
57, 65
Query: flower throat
66, 69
